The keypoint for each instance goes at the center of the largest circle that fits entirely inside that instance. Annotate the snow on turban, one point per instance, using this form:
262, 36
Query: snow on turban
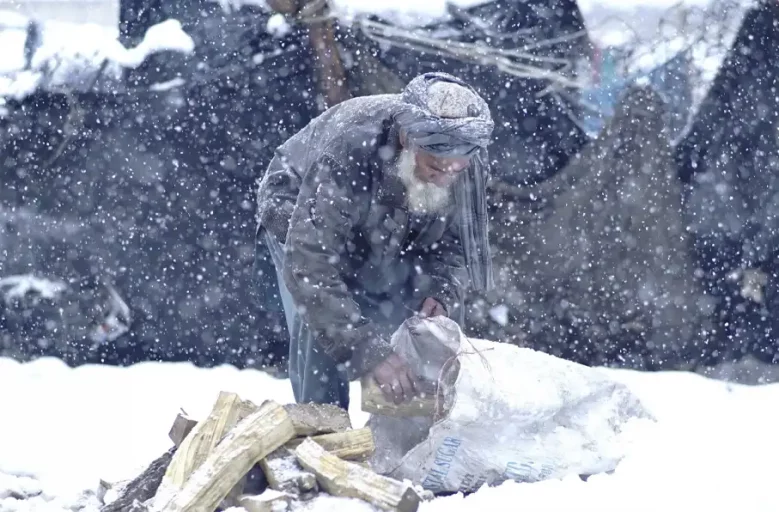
443, 115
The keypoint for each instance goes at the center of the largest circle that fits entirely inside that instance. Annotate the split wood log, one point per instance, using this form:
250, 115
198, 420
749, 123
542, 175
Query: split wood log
253, 439
142, 488
313, 419
269, 501
204, 437
181, 428
285, 474
355, 445
374, 402
309, 419
347, 479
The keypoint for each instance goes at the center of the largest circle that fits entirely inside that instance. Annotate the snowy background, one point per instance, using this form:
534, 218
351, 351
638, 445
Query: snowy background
64, 429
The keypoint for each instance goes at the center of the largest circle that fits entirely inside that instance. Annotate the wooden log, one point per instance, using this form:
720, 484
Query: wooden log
204, 437
309, 419
181, 428
250, 441
355, 445
183, 425
313, 419
269, 501
285, 474
374, 402
347, 479
142, 488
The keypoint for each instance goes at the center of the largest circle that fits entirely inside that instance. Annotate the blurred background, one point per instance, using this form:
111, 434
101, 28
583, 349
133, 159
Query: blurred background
634, 198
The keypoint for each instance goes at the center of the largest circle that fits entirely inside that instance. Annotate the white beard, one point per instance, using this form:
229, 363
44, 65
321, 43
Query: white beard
421, 197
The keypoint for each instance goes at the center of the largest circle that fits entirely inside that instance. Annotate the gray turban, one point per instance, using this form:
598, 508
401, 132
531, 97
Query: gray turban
445, 116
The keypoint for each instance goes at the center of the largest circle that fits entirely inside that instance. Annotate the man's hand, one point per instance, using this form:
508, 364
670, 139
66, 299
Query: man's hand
431, 307
395, 379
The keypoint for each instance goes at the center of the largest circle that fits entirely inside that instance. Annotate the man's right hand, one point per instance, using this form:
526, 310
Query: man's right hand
395, 379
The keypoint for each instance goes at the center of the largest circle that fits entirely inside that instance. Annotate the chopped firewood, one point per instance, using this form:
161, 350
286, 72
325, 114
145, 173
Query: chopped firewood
182, 426
253, 439
354, 445
196, 446
309, 419
312, 419
374, 402
269, 501
141, 488
347, 479
284, 473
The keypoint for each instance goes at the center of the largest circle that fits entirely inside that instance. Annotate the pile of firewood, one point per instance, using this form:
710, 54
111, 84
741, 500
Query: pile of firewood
262, 459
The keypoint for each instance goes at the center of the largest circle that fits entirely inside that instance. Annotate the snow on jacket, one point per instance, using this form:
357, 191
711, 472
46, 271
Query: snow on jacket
331, 195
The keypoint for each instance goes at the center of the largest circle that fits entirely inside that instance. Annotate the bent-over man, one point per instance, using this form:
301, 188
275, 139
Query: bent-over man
376, 211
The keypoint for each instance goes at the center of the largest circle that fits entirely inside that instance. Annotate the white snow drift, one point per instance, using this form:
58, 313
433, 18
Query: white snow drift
713, 447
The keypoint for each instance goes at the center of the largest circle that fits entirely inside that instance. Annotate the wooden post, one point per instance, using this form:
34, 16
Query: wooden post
327, 58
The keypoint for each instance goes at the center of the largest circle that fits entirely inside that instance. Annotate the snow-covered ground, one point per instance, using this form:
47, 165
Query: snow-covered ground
713, 447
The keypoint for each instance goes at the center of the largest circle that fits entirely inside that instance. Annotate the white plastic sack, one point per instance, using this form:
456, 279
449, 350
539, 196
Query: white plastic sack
513, 414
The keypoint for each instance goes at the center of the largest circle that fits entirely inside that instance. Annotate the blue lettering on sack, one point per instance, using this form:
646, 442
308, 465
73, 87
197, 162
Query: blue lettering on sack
444, 456
518, 471
470, 483
524, 472
546, 472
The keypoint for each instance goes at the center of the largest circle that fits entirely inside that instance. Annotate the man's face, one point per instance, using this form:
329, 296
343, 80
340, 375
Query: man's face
438, 170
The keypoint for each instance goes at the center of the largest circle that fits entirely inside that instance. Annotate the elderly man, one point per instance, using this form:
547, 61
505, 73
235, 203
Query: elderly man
375, 211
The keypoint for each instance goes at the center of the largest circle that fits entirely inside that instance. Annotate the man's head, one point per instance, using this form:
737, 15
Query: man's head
436, 145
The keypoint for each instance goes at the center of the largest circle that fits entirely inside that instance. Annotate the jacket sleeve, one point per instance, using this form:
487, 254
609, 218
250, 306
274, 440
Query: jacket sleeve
444, 274
320, 225
276, 196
